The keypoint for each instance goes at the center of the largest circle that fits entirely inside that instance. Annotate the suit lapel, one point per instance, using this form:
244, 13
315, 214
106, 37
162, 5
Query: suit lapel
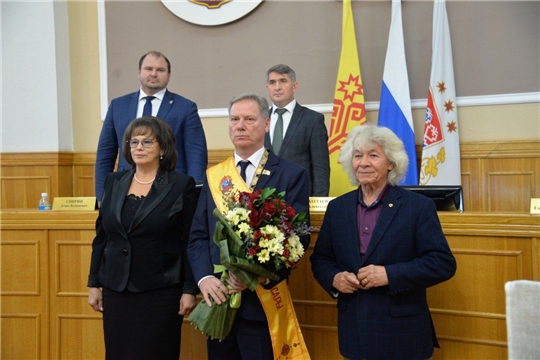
390, 208
291, 129
132, 106
268, 171
166, 105
351, 229
157, 193
119, 192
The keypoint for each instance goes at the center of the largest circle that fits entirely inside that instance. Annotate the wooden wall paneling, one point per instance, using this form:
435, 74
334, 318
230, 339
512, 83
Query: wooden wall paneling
83, 174
459, 349
193, 342
468, 310
503, 197
216, 156
23, 191
496, 176
24, 294
507, 174
24, 176
76, 328
315, 309
469, 183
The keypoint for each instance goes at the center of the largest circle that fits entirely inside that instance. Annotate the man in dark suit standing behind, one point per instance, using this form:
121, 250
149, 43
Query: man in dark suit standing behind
152, 99
296, 132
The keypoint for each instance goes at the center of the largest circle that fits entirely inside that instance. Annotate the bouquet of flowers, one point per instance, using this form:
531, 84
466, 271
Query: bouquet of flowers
257, 236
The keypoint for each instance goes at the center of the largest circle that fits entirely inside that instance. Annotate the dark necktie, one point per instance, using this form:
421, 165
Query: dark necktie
147, 110
278, 131
243, 166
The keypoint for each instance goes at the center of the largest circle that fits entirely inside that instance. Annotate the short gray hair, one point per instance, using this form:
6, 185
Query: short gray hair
263, 104
363, 135
281, 69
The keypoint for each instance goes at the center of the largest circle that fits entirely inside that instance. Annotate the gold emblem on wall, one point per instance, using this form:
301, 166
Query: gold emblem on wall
211, 12
211, 4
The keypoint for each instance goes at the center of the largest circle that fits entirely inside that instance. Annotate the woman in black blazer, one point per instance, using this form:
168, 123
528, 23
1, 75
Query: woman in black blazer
139, 252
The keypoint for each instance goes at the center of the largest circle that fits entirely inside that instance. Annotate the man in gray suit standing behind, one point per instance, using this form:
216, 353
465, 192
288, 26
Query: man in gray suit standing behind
297, 133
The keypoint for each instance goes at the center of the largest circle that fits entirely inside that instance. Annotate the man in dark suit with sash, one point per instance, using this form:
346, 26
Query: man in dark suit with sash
153, 99
297, 133
251, 168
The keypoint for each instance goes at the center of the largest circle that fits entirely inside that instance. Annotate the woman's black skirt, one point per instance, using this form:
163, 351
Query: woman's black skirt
143, 325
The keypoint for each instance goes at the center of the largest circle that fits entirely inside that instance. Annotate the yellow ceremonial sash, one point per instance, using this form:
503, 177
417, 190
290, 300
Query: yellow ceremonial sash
287, 339
224, 180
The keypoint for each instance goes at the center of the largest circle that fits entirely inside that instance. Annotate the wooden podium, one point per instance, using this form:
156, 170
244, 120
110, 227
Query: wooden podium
45, 259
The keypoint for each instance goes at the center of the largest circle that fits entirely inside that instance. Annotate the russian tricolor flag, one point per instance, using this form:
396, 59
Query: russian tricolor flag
395, 104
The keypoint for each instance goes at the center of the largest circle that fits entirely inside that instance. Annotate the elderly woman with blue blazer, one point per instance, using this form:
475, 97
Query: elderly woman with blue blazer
379, 248
139, 274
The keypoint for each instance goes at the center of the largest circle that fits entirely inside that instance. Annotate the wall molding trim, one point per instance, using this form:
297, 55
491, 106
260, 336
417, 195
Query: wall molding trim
464, 101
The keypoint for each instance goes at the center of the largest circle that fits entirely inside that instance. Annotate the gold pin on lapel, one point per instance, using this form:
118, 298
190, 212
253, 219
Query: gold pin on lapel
266, 172
170, 101
390, 205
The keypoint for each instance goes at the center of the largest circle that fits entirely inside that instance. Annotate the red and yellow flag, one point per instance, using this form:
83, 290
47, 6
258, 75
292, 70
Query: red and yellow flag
349, 109
441, 160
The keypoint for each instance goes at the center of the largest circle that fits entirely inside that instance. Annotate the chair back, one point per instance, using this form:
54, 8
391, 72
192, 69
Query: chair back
523, 319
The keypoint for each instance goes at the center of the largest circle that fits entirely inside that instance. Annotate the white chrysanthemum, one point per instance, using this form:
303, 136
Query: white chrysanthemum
271, 230
275, 246
244, 228
237, 215
264, 243
296, 248
263, 256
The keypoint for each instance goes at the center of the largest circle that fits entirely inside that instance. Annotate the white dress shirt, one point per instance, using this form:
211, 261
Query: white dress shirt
254, 162
286, 118
156, 102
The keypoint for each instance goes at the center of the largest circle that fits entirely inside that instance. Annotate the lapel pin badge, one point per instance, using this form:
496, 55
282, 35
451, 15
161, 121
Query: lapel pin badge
266, 172
390, 205
170, 101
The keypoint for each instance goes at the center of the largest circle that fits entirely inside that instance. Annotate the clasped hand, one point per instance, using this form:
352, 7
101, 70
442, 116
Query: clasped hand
367, 277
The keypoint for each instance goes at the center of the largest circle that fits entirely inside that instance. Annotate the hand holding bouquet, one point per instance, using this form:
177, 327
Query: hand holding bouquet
257, 236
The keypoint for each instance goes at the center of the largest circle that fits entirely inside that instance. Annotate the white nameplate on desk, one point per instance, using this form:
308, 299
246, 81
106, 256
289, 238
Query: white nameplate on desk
535, 206
319, 204
74, 203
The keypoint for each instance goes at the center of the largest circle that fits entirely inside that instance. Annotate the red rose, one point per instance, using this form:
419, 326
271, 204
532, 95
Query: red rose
252, 252
268, 210
289, 211
257, 235
254, 219
251, 201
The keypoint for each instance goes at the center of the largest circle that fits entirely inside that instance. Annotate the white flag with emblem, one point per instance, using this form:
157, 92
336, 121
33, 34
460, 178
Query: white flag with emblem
440, 155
